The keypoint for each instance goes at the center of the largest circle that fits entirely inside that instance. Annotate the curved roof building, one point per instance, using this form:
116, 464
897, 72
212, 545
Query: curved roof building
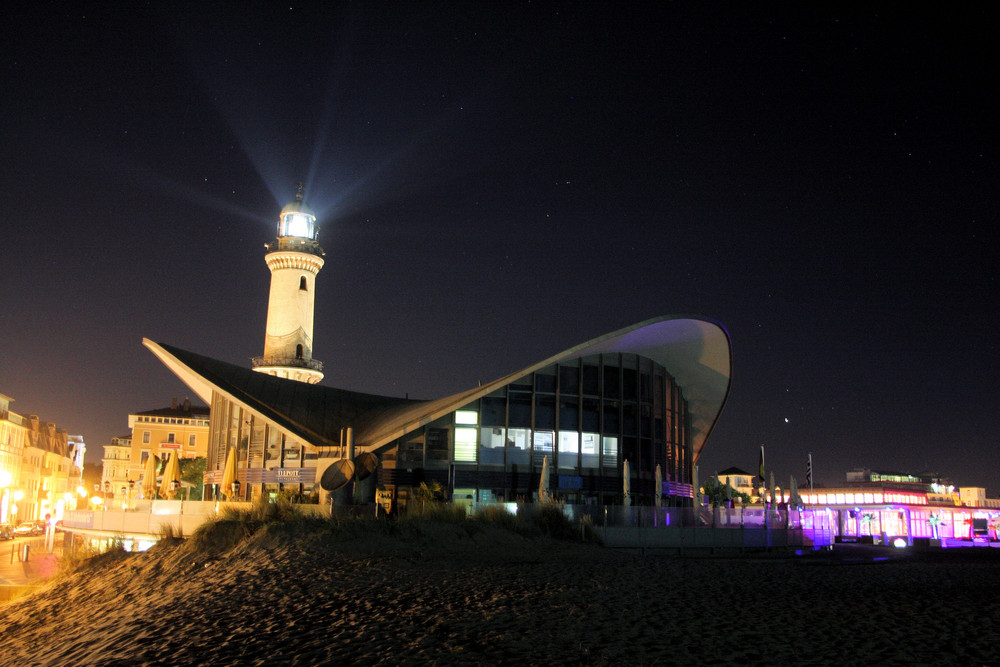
649, 394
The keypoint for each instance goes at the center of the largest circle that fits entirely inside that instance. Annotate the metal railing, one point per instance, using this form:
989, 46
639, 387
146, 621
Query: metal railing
296, 362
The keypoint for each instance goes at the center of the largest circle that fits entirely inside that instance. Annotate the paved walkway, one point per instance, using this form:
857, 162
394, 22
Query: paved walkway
18, 576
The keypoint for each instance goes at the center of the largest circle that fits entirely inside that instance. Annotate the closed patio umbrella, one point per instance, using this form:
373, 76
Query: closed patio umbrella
171, 474
626, 484
229, 473
543, 481
149, 477
657, 484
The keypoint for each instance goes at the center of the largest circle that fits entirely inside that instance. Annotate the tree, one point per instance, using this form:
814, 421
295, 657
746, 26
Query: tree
716, 493
193, 473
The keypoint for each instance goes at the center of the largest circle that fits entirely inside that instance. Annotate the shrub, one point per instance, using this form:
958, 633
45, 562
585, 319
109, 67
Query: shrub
497, 515
85, 556
432, 510
551, 521
235, 524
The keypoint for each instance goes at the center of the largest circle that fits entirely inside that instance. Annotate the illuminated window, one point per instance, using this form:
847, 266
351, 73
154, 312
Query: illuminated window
465, 444
297, 224
466, 417
569, 449
610, 446
518, 446
543, 444
491, 445
588, 449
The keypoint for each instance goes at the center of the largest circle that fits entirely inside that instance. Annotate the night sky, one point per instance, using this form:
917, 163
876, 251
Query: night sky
499, 182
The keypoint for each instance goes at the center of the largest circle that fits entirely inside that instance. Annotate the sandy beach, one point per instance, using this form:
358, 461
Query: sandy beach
449, 594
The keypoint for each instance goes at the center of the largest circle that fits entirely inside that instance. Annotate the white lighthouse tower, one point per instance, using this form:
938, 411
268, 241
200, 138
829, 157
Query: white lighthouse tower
294, 258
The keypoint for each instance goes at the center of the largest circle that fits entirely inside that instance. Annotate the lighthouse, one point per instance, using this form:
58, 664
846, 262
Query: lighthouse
294, 258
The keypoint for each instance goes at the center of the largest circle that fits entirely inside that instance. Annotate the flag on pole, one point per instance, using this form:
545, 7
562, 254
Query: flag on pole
809, 470
760, 473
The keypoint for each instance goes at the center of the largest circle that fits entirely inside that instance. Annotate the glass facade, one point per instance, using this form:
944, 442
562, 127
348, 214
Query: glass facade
586, 416
267, 461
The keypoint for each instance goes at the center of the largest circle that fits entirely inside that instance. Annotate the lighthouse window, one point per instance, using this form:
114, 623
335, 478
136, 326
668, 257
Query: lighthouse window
297, 225
302, 284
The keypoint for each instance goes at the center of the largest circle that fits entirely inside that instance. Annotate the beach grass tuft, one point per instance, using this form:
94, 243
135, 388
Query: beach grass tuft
83, 556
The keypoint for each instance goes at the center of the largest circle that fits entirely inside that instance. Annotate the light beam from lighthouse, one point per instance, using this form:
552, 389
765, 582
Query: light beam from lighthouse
294, 258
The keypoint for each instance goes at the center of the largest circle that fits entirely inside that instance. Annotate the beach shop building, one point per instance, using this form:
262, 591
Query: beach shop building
882, 513
648, 395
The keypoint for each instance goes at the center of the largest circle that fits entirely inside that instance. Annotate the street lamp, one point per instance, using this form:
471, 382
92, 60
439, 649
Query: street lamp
6, 479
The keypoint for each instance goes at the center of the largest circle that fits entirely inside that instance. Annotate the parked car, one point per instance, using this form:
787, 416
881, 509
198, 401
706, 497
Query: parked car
29, 528
25, 529
6, 531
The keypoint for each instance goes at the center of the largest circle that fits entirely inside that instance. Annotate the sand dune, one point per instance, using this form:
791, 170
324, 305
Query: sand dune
445, 594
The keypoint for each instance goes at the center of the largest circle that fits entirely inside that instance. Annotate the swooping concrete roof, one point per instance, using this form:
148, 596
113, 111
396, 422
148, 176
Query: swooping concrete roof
695, 351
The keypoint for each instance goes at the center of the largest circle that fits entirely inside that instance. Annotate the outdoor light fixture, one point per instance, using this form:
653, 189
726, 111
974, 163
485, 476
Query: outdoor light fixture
236, 488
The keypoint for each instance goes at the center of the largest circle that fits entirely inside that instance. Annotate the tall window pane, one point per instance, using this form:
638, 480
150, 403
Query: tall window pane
465, 444
569, 414
610, 451
518, 446
545, 412
588, 449
591, 376
491, 444
493, 411
569, 449
543, 445
520, 409
569, 380
545, 380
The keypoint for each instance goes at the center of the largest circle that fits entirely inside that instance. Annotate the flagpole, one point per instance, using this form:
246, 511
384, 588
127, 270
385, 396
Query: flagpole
810, 472
760, 476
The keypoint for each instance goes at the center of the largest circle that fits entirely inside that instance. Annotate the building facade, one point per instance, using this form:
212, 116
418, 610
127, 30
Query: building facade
40, 466
116, 464
648, 394
180, 430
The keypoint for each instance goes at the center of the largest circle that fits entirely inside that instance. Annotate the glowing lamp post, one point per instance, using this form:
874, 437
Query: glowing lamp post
6, 479
17, 496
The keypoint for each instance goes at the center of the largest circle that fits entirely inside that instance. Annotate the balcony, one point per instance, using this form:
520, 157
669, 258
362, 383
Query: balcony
293, 362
